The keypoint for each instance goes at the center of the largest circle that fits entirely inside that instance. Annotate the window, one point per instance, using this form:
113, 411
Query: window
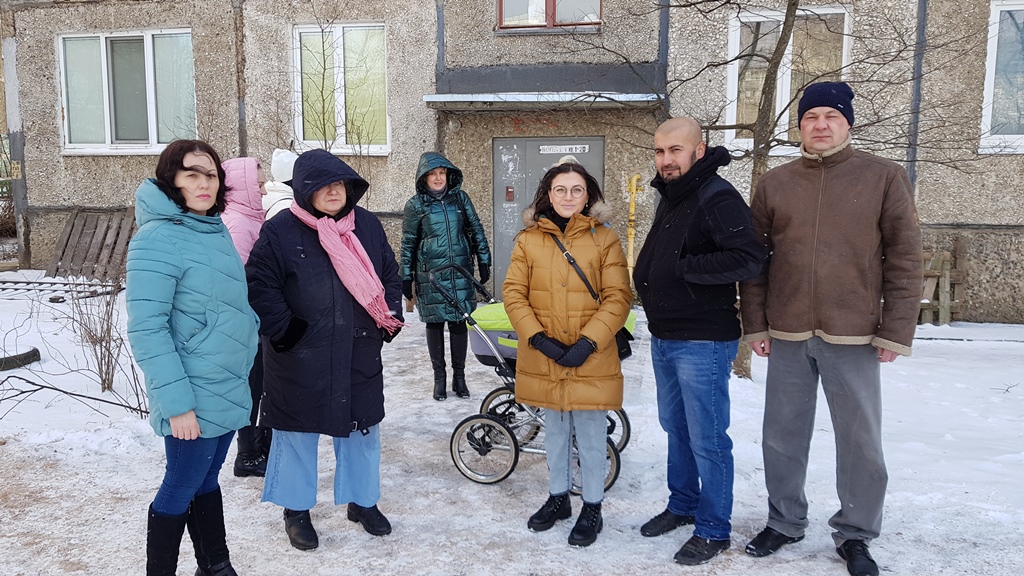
127, 92
548, 13
341, 88
817, 52
1002, 115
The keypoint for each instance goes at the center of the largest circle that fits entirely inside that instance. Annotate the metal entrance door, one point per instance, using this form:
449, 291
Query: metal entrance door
519, 164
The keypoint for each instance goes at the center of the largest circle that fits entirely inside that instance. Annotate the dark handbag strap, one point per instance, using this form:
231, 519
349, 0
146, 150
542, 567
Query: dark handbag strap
576, 266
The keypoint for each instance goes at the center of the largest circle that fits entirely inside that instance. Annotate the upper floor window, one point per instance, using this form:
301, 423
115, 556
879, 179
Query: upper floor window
126, 92
341, 88
1002, 115
817, 52
548, 13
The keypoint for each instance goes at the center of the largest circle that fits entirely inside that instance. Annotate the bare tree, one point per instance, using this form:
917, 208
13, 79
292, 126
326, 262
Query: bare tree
791, 39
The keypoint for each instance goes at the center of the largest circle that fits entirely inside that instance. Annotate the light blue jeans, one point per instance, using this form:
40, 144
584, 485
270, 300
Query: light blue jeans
193, 467
591, 431
292, 469
693, 407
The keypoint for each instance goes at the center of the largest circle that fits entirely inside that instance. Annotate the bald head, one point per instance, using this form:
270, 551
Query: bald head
677, 146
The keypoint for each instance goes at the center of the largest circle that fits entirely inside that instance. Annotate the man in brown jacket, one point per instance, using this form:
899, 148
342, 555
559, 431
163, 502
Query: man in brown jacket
839, 296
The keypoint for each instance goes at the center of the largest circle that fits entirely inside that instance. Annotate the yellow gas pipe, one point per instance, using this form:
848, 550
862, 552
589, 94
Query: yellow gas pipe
634, 188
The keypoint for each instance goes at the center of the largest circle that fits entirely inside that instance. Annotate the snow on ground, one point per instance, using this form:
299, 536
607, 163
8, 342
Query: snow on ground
75, 482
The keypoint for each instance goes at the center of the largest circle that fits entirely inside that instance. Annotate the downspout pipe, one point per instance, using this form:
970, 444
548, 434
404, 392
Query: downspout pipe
913, 132
663, 29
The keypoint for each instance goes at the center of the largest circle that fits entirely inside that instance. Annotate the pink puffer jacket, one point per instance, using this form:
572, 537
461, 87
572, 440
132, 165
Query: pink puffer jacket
244, 212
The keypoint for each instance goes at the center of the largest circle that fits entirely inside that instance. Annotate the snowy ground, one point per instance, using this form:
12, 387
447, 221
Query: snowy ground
75, 482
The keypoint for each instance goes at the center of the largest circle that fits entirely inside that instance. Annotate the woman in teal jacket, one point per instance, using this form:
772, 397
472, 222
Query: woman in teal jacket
441, 227
193, 334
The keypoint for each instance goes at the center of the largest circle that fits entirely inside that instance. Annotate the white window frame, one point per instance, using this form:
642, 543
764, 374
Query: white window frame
111, 148
338, 146
996, 143
783, 89
550, 25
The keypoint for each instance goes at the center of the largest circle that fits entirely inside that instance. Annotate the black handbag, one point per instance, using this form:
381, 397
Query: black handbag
622, 337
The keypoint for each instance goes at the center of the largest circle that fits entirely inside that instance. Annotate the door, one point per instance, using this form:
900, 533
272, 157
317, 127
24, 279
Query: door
519, 164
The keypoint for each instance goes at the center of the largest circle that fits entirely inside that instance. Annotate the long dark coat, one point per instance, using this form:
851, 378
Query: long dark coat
440, 231
321, 349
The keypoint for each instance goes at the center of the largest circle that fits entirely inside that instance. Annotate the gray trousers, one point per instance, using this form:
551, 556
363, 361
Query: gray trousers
851, 380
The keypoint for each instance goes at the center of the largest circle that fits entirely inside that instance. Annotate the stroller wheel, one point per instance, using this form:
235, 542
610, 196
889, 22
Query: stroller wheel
619, 430
484, 449
611, 472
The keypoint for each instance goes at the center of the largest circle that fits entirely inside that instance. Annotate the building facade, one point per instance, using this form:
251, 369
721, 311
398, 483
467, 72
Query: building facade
506, 88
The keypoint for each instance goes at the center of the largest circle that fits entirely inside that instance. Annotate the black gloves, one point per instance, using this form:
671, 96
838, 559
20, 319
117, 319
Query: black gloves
549, 347
485, 273
389, 337
407, 289
578, 353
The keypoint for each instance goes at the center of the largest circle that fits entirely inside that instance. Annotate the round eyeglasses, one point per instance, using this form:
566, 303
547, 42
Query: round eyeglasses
561, 191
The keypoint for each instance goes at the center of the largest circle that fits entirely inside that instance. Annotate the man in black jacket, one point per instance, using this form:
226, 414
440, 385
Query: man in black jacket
701, 243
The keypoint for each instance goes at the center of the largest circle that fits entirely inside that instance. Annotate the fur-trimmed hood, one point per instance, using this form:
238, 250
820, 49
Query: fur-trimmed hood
600, 211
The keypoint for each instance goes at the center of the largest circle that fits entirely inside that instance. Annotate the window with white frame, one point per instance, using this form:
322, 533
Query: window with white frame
127, 92
1002, 116
341, 88
548, 13
817, 52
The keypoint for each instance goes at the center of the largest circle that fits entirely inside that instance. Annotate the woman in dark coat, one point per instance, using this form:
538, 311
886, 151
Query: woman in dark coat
325, 283
441, 227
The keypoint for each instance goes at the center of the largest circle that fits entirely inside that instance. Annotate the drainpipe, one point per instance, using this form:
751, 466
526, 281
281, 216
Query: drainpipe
16, 137
439, 67
913, 133
663, 25
243, 129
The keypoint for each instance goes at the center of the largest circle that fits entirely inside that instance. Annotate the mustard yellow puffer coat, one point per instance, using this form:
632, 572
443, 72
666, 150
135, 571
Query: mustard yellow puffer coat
543, 293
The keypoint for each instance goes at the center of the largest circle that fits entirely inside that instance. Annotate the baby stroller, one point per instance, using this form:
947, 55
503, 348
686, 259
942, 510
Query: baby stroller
485, 447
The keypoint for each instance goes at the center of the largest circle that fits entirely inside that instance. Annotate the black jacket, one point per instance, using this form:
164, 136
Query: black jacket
701, 243
321, 349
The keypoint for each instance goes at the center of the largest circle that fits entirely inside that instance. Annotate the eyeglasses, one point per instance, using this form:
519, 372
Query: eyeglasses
561, 191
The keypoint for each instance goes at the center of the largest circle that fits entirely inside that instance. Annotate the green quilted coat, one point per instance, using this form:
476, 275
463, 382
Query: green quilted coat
437, 232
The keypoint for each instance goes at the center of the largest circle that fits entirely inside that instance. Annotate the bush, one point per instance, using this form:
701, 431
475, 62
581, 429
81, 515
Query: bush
8, 228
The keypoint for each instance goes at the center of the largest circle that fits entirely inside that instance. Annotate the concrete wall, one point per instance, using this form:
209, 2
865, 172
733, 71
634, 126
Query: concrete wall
56, 181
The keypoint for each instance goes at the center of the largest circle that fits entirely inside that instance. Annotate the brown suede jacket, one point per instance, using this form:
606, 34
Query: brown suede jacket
846, 253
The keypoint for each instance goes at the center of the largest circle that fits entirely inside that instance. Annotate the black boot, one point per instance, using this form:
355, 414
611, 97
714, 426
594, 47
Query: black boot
555, 509
206, 528
460, 341
435, 347
588, 525
250, 464
163, 539
372, 519
299, 528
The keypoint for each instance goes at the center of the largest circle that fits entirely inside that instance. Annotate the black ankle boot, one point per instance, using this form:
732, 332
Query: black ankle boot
435, 347
299, 528
460, 342
372, 519
588, 525
252, 464
555, 509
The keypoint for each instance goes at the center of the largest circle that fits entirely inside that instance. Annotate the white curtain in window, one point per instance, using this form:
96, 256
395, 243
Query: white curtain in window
577, 11
523, 13
130, 118
83, 77
1008, 88
175, 87
365, 87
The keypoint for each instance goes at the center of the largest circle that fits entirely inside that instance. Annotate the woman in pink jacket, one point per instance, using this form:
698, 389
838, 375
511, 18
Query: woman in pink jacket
243, 217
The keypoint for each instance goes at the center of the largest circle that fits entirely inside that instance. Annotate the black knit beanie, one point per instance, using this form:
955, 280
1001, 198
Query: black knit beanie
836, 95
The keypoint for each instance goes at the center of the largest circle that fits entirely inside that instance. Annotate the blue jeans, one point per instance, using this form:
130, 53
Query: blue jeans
693, 408
591, 431
292, 469
192, 470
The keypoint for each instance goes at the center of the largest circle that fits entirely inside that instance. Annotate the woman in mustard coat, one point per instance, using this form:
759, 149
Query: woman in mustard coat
567, 362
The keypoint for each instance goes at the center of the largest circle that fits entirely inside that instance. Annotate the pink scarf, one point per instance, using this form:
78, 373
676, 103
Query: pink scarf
351, 264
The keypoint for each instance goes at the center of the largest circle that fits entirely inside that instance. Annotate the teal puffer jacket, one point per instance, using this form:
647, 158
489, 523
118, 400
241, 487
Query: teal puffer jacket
190, 326
437, 232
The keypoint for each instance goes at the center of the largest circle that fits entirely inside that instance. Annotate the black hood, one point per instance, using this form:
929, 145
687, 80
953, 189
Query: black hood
317, 168
707, 166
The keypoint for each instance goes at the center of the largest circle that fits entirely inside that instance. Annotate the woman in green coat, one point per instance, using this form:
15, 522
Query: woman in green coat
441, 227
